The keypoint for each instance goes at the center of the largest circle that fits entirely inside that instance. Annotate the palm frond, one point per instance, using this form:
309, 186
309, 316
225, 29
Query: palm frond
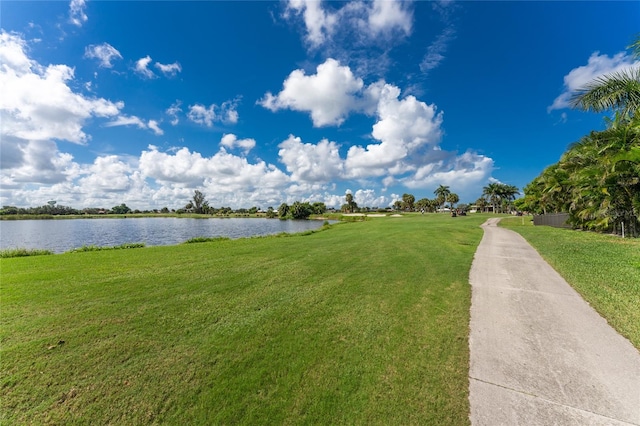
619, 90
635, 47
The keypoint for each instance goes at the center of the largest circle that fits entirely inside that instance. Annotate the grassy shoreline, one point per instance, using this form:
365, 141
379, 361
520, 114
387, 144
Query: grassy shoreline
366, 322
604, 269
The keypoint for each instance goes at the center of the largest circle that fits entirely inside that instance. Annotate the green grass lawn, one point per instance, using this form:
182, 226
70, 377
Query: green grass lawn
604, 269
363, 323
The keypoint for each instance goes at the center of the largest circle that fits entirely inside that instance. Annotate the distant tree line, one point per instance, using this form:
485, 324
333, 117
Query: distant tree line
497, 196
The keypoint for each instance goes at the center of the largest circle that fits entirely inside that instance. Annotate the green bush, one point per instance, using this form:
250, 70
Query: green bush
22, 252
97, 248
205, 239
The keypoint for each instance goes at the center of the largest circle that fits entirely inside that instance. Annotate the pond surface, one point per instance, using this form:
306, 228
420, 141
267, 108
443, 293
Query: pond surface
60, 235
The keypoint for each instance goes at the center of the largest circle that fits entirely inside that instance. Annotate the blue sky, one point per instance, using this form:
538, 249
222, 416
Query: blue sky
259, 103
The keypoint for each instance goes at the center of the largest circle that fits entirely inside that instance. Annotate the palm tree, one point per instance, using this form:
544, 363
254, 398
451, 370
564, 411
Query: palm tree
481, 203
407, 201
452, 199
508, 194
618, 91
283, 210
441, 194
351, 205
492, 192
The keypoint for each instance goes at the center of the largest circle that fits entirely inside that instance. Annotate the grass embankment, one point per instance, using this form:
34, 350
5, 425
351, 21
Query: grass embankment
604, 269
364, 323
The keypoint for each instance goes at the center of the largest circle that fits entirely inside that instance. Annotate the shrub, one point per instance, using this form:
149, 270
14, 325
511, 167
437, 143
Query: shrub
205, 239
97, 248
22, 252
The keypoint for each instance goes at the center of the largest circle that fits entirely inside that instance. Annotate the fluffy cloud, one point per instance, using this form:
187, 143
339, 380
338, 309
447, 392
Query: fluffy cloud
156, 179
467, 173
105, 53
124, 120
108, 174
37, 102
406, 129
369, 198
169, 70
77, 15
142, 67
225, 171
407, 133
597, 66
319, 23
35, 162
311, 163
386, 16
363, 21
224, 113
231, 141
329, 95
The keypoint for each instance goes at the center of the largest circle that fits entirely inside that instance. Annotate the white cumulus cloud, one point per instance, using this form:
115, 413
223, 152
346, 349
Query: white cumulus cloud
37, 102
387, 15
107, 174
329, 95
406, 128
308, 162
363, 21
35, 161
319, 23
466, 173
226, 171
231, 141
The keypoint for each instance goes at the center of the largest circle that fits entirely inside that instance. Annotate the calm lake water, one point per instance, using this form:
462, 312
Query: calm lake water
62, 235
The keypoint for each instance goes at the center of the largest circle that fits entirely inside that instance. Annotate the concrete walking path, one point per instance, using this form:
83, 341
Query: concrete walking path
540, 355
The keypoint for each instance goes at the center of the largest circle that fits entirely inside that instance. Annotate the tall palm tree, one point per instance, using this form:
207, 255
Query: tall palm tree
408, 201
452, 199
508, 194
442, 192
492, 192
481, 203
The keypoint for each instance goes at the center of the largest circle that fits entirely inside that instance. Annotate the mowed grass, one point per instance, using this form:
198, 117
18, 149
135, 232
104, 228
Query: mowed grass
362, 323
604, 269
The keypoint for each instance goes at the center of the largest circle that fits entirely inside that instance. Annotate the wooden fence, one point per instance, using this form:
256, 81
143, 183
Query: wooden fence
557, 220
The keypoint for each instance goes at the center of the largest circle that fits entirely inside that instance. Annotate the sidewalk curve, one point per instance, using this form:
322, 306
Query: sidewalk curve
540, 355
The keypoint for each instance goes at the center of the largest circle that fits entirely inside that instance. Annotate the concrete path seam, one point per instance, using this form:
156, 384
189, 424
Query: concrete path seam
552, 402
